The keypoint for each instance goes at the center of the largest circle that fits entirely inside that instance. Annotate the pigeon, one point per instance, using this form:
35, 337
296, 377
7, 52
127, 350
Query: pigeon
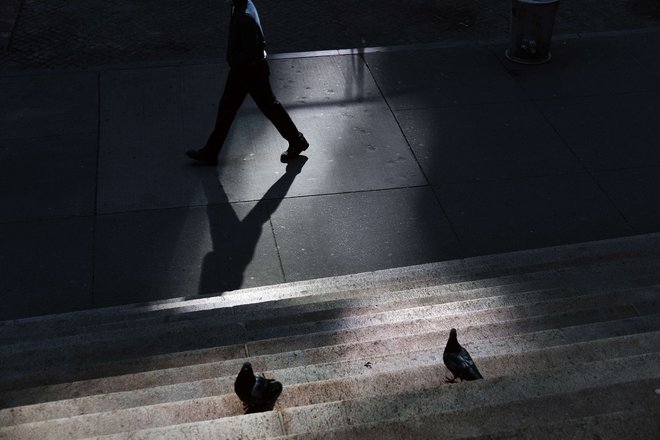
458, 360
257, 393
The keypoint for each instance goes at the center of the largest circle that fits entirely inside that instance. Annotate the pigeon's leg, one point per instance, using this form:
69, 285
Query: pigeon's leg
452, 380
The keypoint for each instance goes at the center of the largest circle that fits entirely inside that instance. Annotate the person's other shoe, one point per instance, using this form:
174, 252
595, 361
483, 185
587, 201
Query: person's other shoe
295, 148
202, 157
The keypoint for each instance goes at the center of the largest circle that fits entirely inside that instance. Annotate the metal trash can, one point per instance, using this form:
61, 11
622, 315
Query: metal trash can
531, 30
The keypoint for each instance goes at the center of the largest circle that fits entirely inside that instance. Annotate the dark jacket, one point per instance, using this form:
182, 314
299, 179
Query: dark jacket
246, 38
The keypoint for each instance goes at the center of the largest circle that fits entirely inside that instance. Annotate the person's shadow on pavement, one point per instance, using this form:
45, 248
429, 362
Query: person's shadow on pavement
234, 240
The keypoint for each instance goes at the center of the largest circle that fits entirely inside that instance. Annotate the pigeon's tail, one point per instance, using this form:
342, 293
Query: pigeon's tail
471, 373
264, 395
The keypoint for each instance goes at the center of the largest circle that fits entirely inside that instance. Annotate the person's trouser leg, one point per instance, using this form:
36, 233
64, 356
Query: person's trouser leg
260, 90
232, 98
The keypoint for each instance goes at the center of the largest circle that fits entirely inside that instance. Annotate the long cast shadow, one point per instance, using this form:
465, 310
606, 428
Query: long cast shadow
235, 240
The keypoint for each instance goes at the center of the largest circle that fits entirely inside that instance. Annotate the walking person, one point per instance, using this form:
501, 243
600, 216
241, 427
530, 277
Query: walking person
249, 74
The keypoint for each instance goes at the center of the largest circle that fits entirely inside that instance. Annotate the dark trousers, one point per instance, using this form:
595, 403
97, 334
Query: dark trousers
255, 81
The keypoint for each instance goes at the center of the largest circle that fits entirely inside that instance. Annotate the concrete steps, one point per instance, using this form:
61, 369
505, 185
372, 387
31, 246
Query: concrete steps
259, 337
567, 338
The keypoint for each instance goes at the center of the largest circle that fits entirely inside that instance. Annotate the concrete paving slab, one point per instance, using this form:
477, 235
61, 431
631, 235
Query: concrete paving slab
200, 89
493, 217
485, 142
297, 83
603, 132
352, 148
45, 267
47, 177
151, 117
595, 15
153, 255
142, 142
644, 48
635, 192
48, 105
442, 77
361, 232
582, 67
320, 81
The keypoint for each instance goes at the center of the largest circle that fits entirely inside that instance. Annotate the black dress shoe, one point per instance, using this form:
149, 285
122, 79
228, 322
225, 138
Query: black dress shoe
202, 157
295, 148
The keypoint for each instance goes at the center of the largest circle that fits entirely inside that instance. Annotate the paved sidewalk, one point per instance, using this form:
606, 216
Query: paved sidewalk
83, 33
420, 154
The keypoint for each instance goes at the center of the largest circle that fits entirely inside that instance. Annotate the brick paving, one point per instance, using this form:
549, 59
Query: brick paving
88, 33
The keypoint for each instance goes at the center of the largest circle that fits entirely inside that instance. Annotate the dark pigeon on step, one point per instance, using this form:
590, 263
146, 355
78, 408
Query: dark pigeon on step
257, 393
458, 360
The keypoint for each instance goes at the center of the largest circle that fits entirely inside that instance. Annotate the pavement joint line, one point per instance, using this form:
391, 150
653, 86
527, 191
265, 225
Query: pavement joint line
461, 250
302, 196
586, 169
277, 247
472, 104
329, 194
198, 206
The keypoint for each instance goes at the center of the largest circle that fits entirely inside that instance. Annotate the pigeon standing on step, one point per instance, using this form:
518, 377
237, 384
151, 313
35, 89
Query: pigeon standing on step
458, 360
257, 393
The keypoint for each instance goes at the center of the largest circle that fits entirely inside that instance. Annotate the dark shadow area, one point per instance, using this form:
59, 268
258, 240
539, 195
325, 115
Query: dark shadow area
511, 174
648, 9
235, 240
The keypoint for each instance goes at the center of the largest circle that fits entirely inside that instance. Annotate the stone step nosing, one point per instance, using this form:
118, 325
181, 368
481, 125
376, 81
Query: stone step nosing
391, 363
239, 331
208, 406
14, 331
130, 312
239, 313
535, 299
17, 334
41, 363
623, 424
471, 395
524, 328
445, 425
515, 309
561, 256
500, 390
509, 421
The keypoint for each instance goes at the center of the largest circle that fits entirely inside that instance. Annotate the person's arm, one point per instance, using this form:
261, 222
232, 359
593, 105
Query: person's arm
249, 44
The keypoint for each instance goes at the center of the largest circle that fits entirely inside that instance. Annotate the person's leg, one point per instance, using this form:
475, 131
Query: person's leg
260, 90
231, 100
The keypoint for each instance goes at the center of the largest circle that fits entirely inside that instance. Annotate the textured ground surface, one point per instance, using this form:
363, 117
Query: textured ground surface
417, 155
82, 33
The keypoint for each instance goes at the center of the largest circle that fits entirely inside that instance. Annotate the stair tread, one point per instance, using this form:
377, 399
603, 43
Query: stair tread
533, 419
258, 328
539, 260
500, 391
301, 381
570, 331
383, 331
